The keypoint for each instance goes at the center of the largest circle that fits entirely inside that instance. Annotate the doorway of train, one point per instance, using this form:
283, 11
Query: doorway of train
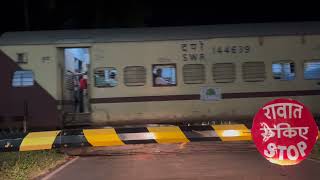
76, 75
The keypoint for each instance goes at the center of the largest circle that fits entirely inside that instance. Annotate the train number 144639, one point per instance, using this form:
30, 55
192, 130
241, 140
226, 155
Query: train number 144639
231, 49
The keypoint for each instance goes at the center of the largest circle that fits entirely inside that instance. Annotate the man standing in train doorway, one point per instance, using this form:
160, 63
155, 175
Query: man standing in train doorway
82, 89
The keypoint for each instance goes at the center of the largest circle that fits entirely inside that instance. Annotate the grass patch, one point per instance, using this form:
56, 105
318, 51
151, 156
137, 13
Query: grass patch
318, 150
27, 165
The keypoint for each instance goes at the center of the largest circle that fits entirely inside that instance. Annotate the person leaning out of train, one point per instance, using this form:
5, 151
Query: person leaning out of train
84, 83
82, 91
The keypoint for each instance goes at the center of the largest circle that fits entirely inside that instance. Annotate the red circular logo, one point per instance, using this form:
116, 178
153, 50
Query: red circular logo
284, 131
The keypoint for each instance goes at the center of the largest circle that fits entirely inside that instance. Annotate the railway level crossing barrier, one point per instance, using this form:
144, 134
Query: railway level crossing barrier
122, 136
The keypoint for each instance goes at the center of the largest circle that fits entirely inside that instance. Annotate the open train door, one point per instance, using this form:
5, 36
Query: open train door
75, 88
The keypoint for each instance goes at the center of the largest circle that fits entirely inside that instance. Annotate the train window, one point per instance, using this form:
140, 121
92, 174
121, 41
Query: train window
22, 58
283, 70
106, 77
134, 76
23, 78
224, 72
193, 73
164, 75
253, 71
312, 69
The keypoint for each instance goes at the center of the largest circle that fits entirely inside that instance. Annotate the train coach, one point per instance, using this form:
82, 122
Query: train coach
155, 75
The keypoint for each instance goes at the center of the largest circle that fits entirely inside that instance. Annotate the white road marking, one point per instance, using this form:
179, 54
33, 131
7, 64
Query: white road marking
50, 175
314, 160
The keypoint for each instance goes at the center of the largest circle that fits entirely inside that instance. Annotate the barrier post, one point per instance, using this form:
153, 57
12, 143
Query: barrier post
26, 115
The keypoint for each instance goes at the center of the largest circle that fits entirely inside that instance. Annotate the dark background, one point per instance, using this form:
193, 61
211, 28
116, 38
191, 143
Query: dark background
19, 15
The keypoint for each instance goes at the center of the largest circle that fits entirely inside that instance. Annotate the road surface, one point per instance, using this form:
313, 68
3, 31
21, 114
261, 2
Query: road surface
191, 161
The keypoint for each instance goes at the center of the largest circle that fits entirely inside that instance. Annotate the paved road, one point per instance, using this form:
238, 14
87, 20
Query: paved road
200, 160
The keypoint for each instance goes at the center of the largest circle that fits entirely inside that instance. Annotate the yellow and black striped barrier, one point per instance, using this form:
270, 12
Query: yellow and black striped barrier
121, 136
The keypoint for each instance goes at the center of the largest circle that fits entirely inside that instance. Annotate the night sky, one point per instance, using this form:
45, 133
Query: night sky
76, 14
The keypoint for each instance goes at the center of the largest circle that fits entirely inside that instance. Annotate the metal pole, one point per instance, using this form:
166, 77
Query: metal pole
26, 115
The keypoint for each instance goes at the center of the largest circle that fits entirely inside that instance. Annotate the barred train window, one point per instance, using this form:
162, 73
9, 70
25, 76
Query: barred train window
164, 75
193, 73
253, 71
105, 77
283, 70
22, 58
23, 78
134, 76
224, 72
312, 69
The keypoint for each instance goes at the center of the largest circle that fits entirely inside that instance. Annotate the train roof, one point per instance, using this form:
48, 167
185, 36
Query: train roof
159, 33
